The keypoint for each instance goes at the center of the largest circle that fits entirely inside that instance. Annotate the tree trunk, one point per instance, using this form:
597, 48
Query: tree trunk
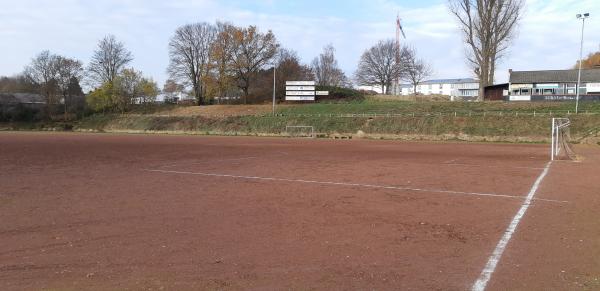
197, 94
65, 103
484, 71
245, 89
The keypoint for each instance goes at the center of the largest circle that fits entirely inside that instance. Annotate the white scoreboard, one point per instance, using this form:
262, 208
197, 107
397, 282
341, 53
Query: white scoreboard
300, 90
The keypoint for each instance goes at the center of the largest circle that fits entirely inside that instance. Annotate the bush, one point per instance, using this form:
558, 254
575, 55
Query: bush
340, 94
19, 112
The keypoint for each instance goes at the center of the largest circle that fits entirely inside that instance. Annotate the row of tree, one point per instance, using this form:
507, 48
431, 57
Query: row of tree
58, 79
222, 60
216, 61
205, 60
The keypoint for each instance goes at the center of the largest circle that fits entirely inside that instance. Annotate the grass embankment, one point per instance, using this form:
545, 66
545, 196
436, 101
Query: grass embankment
514, 122
376, 106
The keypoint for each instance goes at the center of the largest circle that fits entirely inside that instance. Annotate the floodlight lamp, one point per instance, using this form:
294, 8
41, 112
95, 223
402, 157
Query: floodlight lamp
578, 16
586, 15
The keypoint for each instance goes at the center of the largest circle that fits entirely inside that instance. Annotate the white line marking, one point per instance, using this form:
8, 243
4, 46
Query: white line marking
211, 161
493, 260
347, 184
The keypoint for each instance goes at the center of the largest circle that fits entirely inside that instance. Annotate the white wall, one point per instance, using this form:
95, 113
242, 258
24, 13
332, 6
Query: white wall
371, 88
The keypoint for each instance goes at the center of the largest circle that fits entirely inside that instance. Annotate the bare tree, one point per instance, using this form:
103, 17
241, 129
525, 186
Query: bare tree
42, 71
108, 60
380, 65
18, 84
68, 73
416, 70
326, 70
488, 26
189, 52
251, 52
289, 68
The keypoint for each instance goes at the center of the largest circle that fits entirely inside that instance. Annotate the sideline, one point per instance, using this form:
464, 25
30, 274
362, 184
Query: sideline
493, 260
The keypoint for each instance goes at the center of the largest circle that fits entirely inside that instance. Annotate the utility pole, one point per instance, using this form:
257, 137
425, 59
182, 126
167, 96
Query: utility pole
582, 17
274, 74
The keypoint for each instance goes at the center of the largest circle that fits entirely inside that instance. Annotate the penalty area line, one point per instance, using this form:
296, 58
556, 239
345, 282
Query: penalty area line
345, 184
493, 260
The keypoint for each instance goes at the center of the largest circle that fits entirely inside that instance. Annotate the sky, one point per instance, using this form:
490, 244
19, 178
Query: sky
548, 36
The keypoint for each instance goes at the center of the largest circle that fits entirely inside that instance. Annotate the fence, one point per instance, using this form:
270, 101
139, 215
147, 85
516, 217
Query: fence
553, 113
441, 114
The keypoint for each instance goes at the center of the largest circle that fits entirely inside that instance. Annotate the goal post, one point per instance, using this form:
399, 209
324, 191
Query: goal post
561, 137
300, 131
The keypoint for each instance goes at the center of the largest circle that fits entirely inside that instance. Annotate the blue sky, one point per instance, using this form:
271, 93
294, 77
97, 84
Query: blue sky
548, 36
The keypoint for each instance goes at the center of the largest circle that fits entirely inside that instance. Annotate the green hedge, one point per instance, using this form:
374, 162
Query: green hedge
339, 94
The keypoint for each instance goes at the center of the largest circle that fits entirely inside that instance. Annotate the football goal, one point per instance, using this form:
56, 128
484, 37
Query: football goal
300, 131
561, 137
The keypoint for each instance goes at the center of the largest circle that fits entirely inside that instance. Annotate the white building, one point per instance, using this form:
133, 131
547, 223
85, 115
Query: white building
174, 97
374, 88
464, 88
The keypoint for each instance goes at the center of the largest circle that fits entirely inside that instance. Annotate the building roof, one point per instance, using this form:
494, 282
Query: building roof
501, 85
450, 81
554, 76
21, 98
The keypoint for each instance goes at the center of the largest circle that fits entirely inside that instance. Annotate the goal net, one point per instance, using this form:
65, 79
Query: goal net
300, 131
561, 137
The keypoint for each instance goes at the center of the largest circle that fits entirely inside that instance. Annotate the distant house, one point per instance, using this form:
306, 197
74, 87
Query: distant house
174, 97
466, 88
28, 99
553, 85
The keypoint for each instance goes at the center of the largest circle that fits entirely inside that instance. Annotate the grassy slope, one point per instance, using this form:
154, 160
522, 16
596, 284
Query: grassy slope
396, 107
501, 122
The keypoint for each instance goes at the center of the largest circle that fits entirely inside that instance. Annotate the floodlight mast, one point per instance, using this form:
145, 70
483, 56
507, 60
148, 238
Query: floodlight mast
399, 31
582, 17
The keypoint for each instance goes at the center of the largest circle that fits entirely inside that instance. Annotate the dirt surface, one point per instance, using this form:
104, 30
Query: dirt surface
94, 211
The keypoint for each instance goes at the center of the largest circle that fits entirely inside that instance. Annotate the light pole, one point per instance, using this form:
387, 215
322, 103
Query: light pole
274, 70
582, 17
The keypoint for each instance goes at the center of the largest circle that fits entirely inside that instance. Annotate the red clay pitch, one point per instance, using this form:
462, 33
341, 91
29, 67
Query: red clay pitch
96, 211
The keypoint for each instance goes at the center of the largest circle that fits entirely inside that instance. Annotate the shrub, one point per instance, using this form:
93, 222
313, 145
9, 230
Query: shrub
339, 94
